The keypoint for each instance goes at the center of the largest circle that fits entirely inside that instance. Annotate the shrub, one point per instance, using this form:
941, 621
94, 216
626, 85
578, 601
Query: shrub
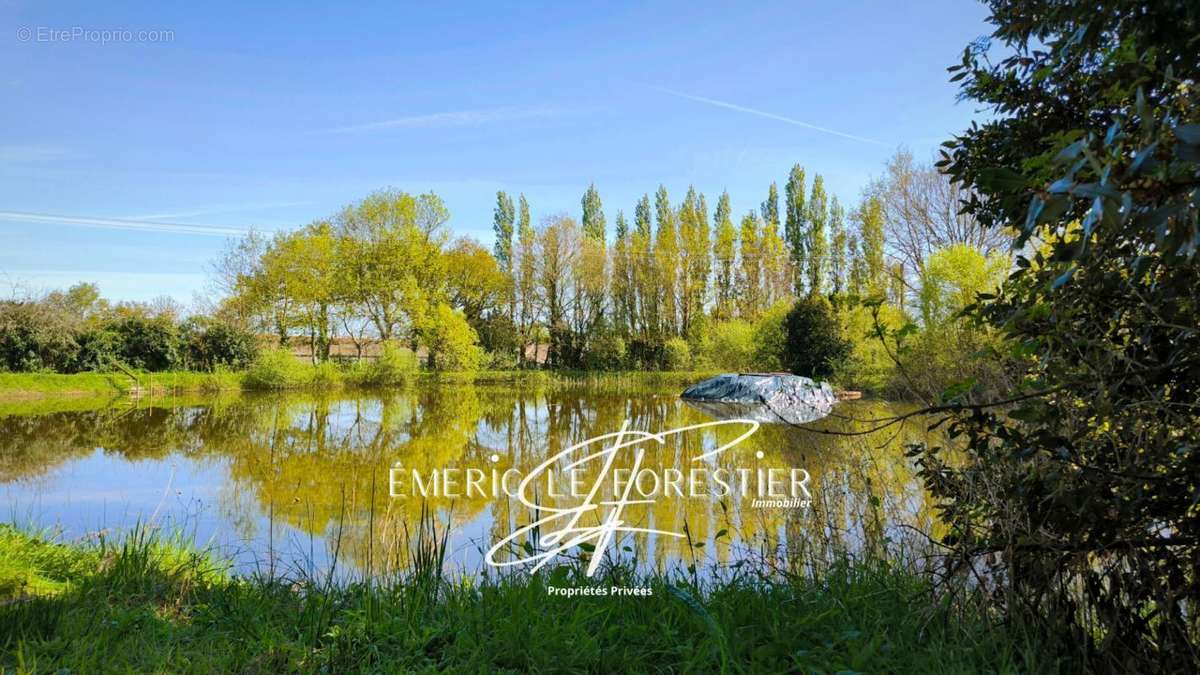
731, 346
605, 352
212, 344
324, 374
149, 344
452, 343
394, 366
770, 338
98, 349
35, 337
677, 355
814, 343
276, 369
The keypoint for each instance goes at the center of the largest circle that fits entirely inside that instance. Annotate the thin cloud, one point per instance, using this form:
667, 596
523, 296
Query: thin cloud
121, 224
771, 116
457, 118
217, 209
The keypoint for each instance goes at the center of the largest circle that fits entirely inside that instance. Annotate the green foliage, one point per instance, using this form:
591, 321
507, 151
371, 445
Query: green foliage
209, 345
277, 369
770, 338
815, 347
148, 343
606, 351
395, 365
677, 355
97, 350
451, 342
35, 337
953, 277
869, 366
730, 346
1088, 482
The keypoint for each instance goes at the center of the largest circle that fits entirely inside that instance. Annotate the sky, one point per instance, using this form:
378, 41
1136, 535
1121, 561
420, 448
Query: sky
137, 138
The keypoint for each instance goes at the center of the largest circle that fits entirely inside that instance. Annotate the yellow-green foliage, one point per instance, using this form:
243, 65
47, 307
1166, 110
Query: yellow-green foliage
277, 369
770, 337
453, 344
677, 355
730, 346
395, 365
869, 366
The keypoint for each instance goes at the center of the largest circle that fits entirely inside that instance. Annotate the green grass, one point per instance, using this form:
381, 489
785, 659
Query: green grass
151, 604
298, 375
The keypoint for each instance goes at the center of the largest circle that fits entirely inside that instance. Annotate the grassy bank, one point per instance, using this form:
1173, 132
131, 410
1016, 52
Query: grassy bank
20, 386
149, 604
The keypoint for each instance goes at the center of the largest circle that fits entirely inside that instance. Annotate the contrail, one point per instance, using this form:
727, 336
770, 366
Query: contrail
770, 116
121, 224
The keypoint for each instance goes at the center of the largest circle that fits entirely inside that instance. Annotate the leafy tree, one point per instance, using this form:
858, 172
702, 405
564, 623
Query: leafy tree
1086, 481
724, 255
815, 347
148, 343
593, 214
525, 282
837, 246
818, 242
772, 254
666, 260
502, 225
210, 344
870, 227
796, 225
624, 289
750, 282
695, 259
451, 342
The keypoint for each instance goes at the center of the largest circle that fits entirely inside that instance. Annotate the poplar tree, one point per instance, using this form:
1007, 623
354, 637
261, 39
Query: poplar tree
502, 225
526, 276
666, 255
818, 244
837, 240
795, 225
594, 224
772, 263
858, 272
870, 218
695, 261
750, 286
623, 289
723, 252
645, 273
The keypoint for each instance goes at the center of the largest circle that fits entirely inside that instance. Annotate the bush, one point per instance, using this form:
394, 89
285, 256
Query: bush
35, 337
148, 344
213, 344
277, 369
605, 352
394, 366
770, 338
731, 346
677, 355
814, 343
98, 349
452, 343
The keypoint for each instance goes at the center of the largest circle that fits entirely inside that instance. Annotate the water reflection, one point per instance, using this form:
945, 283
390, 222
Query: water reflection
288, 481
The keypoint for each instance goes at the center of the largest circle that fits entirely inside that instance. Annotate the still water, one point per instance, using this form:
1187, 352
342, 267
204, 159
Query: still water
301, 483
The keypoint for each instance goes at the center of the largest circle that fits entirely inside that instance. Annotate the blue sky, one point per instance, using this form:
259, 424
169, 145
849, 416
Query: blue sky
270, 117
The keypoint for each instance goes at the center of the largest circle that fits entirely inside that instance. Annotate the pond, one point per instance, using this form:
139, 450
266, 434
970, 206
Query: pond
308, 483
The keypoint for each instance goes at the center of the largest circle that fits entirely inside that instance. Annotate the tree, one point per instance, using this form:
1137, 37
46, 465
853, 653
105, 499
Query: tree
593, 214
750, 284
623, 284
818, 243
645, 272
795, 228
558, 248
870, 226
695, 260
475, 283
815, 346
666, 259
837, 248
724, 254
525, 284
1086, 480
772, 254
921, 209
502, 225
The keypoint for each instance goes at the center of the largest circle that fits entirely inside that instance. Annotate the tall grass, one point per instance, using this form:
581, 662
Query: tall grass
149, 603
